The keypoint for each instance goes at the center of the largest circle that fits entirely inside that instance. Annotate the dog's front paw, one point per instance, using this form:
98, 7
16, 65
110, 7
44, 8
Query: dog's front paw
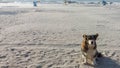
85, 63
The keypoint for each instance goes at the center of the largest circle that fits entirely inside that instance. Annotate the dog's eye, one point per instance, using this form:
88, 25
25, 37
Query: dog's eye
94, 37
88, 38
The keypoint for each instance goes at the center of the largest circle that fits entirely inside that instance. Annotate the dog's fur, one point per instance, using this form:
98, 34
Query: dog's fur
89, 49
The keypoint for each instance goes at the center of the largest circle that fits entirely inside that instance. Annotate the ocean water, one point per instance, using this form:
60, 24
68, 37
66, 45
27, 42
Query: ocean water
54, 1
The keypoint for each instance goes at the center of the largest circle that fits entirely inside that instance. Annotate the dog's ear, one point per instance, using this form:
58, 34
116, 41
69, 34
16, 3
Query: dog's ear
84, 36
96, 35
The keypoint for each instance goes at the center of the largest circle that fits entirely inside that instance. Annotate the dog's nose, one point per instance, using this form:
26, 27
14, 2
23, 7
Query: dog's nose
92, 42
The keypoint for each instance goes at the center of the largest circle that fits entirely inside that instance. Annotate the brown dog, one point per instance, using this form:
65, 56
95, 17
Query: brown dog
89, 49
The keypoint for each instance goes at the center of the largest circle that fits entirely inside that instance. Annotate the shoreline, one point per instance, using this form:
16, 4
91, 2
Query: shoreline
30, 5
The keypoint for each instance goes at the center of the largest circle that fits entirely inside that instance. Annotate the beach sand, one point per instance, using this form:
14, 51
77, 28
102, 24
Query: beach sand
49, 36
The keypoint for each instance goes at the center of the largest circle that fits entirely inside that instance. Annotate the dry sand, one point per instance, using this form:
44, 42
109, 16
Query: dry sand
49, 35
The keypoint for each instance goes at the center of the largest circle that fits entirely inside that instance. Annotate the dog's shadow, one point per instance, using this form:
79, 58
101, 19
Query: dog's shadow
106, 62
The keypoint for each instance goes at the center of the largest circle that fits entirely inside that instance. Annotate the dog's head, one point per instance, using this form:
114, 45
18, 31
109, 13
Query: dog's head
90, 39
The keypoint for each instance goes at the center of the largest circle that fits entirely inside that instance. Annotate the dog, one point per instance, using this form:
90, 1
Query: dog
89, 49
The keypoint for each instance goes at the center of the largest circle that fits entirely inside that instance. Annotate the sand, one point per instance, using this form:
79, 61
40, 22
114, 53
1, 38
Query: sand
49, 36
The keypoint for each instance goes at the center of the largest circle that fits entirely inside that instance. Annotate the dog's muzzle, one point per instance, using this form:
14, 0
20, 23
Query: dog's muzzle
91, 42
